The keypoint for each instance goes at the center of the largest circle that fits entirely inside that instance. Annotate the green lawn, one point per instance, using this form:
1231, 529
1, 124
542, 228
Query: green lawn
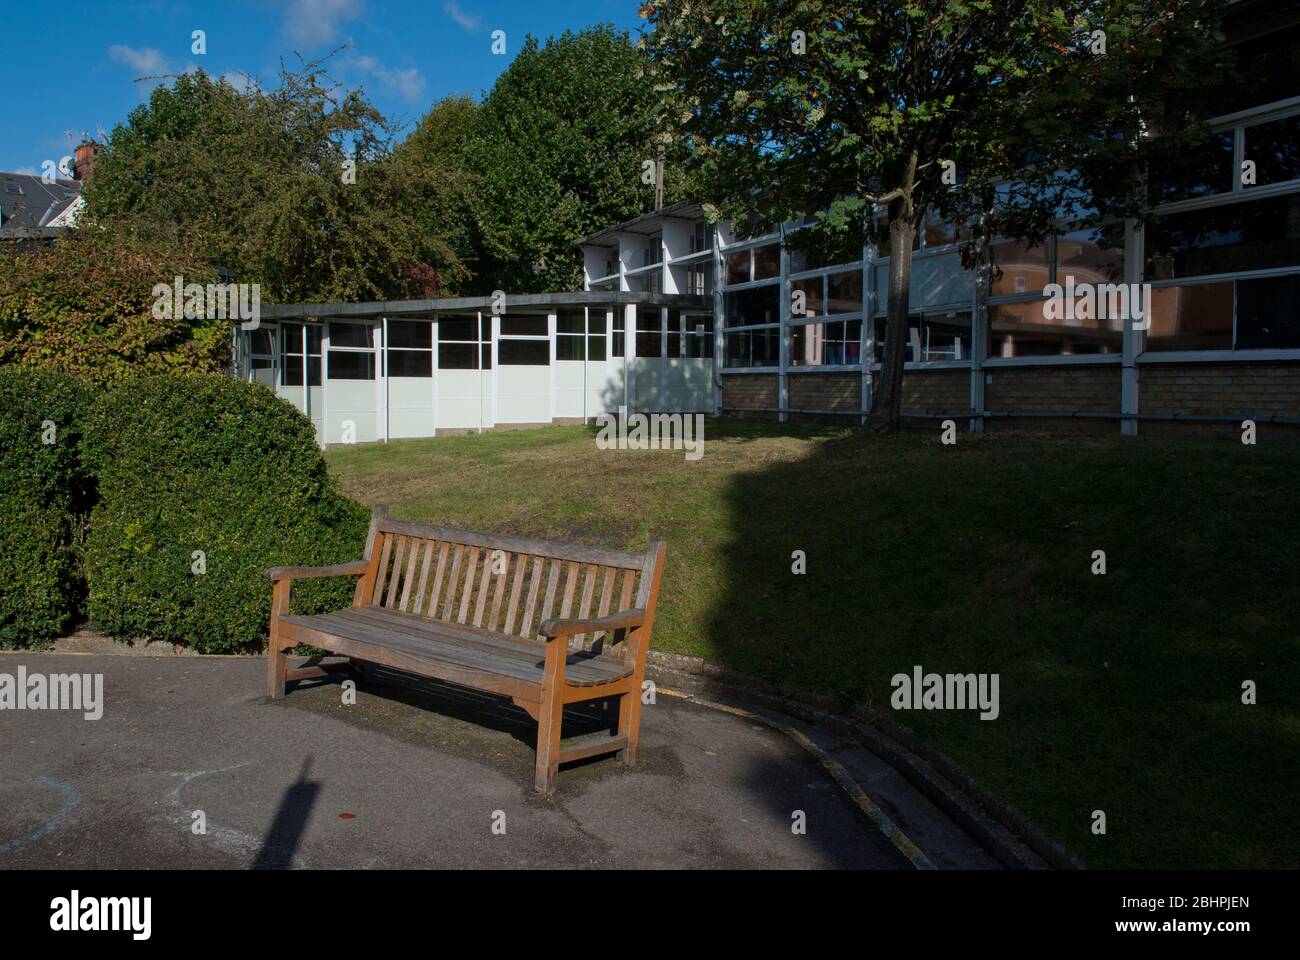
1119, 692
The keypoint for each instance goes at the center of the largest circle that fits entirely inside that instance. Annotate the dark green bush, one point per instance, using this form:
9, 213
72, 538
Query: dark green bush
191, 463
43, 497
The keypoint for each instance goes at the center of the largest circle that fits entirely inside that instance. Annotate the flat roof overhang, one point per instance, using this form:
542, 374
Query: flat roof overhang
516, 304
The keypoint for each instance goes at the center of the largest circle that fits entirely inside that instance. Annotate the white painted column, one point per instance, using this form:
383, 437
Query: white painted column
1133, 340
783, 340
629, 350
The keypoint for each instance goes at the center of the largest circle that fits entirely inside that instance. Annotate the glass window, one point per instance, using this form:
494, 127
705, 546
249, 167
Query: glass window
767, 261
411, 363
570, 320
349, 335
410, 334
1191, 317
524, 327
931, 337
844, 292
617, 346
699, 279
759, 305
826, 344
1025, 330
674, 333
1275, 148
569, 348
351, 364
1081, 255
936, 232
648, 337
653, 249
291, 358
1195, 170
524, 353
814, 304
738, 267
1268, 317
701, 238
754, 348
1018, 268
1251, 235
699, 334
456, 356
455, 329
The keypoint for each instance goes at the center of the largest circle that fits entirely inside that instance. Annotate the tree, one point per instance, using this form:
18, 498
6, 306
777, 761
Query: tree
840, 108
296, 188
557, 152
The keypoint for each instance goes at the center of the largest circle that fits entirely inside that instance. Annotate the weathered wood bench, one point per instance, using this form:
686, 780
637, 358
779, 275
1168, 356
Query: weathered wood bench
476, 609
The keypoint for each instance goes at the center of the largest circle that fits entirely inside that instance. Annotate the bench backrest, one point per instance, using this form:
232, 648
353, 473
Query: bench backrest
500, 583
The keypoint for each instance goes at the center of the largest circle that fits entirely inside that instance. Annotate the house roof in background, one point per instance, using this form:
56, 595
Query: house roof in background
27, 203
647, 223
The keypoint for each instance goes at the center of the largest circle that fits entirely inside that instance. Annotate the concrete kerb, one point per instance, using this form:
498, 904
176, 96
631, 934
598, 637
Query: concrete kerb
999, 827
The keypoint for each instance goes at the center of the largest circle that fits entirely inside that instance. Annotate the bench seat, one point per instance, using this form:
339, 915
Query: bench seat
468, 648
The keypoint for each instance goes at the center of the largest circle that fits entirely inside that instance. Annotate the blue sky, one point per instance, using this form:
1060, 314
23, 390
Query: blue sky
74, 70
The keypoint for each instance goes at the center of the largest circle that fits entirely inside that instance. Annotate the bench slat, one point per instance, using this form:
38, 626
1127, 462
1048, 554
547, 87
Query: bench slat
467, 590
484, 586
383, 569
516, 589
409, 576
552, 585
584, 606
451, 581
397, 571
498, 594
437, 578
606, 598
582, 553
425, 567
534, 584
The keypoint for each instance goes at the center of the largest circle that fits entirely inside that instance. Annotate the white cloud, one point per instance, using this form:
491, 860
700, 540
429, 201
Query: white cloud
147, 61
467, 21
407, 84
239, 80
316, 22
28, 171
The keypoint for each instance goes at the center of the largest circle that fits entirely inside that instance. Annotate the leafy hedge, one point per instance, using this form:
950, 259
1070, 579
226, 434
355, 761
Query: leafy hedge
84, 305
43, 496
201, 463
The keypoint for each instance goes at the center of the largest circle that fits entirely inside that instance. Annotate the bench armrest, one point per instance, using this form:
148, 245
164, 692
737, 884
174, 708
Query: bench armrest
555, 627
353, 569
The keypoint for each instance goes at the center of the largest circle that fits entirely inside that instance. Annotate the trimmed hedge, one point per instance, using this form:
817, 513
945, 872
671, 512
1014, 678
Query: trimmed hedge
190, 463
44, 494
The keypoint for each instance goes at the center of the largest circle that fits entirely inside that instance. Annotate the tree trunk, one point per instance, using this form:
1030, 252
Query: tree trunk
887, 388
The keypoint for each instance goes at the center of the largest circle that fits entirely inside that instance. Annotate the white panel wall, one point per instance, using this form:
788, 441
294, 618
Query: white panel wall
465, 398
410, 407
524, 394
351, 402
570, 388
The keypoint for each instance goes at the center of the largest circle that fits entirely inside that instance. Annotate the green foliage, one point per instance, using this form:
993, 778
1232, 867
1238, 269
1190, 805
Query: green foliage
837, 107
188, 463
257, 180
84, 305
557, 153
43, 492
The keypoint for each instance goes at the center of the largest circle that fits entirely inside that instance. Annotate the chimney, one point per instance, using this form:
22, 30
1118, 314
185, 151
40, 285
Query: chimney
85, 160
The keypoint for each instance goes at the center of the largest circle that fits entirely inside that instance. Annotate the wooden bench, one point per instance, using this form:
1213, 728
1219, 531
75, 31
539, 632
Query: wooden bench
477, 609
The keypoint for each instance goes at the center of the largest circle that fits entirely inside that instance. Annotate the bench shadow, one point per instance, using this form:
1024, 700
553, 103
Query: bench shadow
286, 830
476, 707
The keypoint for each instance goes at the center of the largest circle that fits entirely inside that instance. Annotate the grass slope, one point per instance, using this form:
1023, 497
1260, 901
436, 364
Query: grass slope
1119, 693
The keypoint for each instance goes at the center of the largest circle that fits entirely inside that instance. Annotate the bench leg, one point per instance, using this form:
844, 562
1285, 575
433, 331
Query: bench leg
550, 718
277, 663
629, 723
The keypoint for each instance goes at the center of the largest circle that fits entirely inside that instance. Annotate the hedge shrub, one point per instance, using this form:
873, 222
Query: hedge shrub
190, 463
44, 494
